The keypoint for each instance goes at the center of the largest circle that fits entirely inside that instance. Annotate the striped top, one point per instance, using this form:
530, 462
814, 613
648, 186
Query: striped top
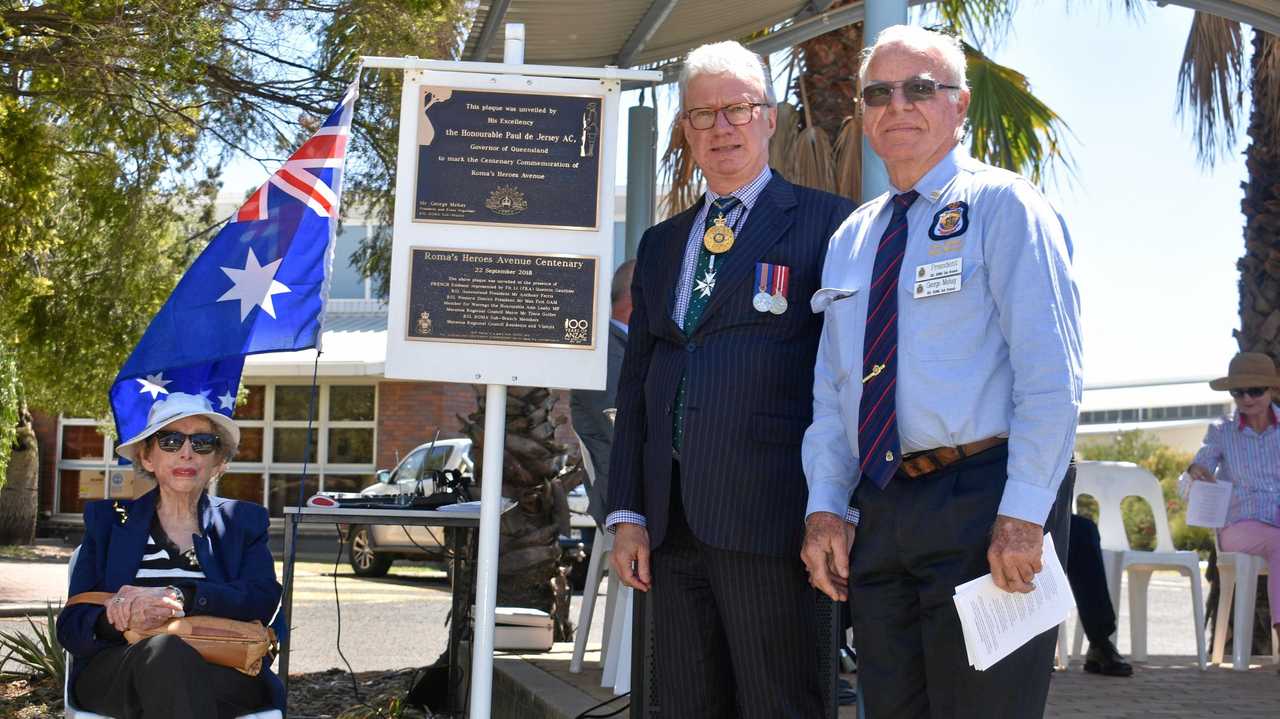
1250, 461
163, 564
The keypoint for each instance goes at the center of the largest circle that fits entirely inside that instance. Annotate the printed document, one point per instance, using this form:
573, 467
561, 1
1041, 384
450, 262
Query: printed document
1207, 504
996, 622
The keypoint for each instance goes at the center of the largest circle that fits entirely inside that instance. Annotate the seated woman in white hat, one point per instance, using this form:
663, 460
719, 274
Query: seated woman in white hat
172, 552
1244, 449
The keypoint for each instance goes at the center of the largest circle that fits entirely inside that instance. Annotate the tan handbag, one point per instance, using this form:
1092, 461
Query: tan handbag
225, 642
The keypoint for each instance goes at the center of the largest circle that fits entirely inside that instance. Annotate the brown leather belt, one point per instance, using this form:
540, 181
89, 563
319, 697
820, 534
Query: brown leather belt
918, 464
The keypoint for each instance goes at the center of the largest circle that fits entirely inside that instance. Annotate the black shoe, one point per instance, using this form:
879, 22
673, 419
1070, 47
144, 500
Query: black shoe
1103, 658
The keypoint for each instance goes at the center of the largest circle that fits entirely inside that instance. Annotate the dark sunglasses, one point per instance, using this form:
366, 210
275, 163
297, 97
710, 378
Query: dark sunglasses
1251, 391
916, 89
201, 442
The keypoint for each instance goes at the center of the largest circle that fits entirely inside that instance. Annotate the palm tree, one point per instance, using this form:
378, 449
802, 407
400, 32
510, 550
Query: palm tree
536, 472
1211, 88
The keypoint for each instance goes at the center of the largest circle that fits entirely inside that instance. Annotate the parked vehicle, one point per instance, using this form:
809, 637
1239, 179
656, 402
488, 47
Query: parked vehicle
372, 548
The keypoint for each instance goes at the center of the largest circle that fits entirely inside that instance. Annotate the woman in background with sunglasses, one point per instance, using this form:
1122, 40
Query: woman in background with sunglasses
171, 552
1244, 449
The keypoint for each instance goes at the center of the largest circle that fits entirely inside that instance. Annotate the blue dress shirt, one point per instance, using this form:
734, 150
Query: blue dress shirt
999, 357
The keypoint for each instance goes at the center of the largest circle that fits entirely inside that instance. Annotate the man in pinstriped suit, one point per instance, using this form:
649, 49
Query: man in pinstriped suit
707, 494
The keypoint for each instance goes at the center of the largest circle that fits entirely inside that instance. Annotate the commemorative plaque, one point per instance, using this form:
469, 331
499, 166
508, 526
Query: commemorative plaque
502, 298
507, 158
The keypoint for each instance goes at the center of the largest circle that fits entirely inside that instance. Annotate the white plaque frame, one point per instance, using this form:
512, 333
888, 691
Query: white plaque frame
495, 363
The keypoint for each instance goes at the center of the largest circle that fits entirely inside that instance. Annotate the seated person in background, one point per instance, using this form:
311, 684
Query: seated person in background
171, 552
1244, 449
1088, 580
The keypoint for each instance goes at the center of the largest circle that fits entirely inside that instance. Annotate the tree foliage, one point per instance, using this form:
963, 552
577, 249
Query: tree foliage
116, 119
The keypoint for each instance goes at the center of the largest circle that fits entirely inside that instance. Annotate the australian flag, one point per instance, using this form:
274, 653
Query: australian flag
260, 285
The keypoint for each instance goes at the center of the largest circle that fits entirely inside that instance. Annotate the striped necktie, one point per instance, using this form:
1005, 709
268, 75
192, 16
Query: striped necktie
704, 282
878, 441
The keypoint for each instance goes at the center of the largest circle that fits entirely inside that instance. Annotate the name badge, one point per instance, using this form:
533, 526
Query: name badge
937, 286
934, 270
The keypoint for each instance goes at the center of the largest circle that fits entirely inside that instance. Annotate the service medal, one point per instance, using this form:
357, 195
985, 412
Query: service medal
763, 302
718, 238
777, 304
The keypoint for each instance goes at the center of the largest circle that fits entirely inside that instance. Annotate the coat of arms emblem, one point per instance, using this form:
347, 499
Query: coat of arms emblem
506, 200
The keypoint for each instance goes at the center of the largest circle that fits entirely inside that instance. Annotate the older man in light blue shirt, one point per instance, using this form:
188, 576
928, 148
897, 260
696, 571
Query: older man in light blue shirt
946, 393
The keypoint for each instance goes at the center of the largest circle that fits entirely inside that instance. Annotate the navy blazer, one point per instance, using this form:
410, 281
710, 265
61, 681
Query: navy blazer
749, 392
240, 577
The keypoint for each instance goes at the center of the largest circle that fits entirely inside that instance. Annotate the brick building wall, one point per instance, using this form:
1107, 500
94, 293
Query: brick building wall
46, 428
410, 412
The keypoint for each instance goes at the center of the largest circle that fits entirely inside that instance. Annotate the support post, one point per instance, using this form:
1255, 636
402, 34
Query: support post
642, 174
495, 435
495, 432
880, 14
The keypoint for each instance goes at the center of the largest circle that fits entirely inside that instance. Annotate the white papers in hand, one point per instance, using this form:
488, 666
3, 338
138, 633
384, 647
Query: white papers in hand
995, 622
1207, 504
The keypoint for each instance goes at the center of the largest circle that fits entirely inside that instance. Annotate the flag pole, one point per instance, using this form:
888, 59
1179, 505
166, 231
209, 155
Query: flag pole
495, 435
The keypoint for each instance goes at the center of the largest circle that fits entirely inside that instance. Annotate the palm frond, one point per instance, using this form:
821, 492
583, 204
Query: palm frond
1266, 73
1009, 126
780, 143
986, 21
811, 158
1211, 84
679, 173
848, 162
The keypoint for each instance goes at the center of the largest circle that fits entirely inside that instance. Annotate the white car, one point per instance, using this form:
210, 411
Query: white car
372, 548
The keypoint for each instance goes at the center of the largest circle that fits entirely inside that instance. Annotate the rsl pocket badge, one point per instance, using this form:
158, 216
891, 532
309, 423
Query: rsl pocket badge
951, 221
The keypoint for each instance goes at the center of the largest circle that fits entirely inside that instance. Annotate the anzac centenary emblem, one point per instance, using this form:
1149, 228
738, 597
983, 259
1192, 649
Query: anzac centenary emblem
950, 221
505, 200
424, 323
577, 331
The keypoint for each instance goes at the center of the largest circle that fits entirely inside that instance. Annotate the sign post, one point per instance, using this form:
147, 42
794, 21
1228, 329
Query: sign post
503, 239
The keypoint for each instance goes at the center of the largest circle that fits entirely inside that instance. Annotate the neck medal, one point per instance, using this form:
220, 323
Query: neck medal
718, 238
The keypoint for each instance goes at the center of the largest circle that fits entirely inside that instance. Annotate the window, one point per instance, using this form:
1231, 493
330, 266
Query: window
268, 466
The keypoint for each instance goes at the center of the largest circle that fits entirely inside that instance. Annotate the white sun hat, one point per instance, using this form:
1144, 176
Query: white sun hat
172, 408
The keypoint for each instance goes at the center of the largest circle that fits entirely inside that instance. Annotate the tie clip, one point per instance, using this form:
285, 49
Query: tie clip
875, 370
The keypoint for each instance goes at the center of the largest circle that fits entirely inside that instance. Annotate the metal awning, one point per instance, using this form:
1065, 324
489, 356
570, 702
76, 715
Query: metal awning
649, 33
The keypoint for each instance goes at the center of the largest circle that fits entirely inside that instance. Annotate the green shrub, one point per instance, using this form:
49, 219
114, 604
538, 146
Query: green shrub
1167, 464
36, 654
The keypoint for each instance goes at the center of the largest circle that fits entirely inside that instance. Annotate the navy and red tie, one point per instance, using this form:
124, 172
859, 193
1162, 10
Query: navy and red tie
878, 441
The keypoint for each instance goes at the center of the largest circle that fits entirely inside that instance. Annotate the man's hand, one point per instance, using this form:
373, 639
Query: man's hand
1014, 554
1200, 474
142, 607
827, 541
630, 555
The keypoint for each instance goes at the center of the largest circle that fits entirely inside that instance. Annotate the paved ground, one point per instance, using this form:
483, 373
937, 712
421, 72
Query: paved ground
400, 622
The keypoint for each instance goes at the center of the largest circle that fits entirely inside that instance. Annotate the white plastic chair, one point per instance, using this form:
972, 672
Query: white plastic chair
72, 712
1238, 574
1110, 483
597, 569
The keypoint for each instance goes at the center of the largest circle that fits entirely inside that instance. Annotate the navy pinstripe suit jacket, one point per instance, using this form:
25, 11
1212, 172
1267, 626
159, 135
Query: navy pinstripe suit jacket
750, 380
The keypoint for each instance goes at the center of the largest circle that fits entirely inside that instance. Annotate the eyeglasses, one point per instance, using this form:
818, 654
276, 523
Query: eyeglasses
739, 113
916, 89
201, 442
1251, 391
